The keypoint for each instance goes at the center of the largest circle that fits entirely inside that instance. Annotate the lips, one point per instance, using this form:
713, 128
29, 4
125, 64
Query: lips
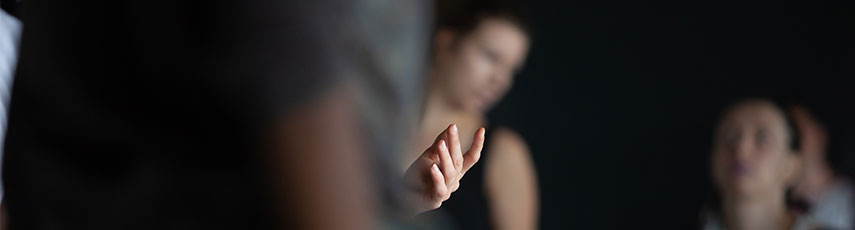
740, 169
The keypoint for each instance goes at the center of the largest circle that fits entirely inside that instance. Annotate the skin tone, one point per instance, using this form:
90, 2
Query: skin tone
447, 163
817, 175
753, 165
470, 72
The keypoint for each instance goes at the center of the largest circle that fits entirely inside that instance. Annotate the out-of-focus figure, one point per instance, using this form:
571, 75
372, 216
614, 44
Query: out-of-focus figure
828, 195
754, 162
478, 46
253, 114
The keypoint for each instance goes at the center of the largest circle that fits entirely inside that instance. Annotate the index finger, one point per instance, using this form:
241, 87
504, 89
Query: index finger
471, 157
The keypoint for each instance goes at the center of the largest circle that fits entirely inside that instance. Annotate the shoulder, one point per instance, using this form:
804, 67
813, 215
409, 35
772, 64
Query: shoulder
511, 181
507, 141
508, 154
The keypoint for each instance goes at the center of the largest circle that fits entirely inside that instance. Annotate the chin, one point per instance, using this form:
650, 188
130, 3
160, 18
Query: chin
481, 108
474, 109
742, 191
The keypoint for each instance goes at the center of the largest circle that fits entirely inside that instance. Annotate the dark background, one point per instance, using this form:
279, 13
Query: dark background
618, 98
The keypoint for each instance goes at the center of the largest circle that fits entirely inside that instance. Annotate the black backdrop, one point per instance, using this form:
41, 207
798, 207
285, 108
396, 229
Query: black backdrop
618, 98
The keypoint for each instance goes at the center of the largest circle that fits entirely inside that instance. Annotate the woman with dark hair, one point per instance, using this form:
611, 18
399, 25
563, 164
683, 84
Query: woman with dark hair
477, 47
754, 163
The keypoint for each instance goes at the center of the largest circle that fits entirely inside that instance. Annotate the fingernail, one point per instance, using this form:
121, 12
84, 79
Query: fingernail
434, 167
483, 132
442, 145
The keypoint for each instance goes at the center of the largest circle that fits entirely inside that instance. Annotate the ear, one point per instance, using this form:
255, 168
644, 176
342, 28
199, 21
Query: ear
793, 168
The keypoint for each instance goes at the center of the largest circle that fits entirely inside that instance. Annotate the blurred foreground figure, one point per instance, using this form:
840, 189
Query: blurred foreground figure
754, 163
478, 46
218, 115
828, 195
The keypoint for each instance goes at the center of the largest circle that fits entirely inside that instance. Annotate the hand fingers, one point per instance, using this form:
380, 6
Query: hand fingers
433, 151
454, 146
446, 164
442, 136
440, 191
471, 157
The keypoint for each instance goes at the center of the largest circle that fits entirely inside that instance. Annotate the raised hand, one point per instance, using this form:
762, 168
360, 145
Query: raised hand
437, 172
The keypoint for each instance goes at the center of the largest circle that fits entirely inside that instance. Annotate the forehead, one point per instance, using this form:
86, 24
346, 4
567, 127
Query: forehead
500, 26
501, 34
755, 113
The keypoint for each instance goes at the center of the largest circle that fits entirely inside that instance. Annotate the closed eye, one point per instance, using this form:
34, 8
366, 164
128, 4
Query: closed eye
491, 56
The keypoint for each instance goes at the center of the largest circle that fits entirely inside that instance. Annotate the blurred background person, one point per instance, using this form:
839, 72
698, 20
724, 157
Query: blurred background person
754, 164
829, 196
477, 47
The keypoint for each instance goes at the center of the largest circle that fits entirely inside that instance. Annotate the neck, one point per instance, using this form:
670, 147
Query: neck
439, 114
766, 212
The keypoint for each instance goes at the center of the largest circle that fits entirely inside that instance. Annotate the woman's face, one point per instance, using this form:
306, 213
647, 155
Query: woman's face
474, 71
751, 154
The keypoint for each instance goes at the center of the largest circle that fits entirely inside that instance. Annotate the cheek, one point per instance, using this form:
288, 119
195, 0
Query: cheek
475, 69
771, 168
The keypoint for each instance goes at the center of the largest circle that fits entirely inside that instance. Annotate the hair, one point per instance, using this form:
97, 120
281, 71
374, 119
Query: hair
464, 16
783, 107
783, 103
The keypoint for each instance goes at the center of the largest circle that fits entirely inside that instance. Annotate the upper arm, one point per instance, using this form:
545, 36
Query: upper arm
511, 182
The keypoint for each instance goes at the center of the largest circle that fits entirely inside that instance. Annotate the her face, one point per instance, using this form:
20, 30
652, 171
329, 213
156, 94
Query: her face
474, 71
751, 154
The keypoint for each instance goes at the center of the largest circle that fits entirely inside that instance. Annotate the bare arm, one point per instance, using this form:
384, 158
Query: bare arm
511, 182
